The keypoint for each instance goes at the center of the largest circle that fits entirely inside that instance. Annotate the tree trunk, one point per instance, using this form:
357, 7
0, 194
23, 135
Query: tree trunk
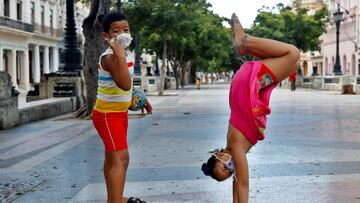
182, 74
185, 69
93, 47
178, 76
176, 73
163, 69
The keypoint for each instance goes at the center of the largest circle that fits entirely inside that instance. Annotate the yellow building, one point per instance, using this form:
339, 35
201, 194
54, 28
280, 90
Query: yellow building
311, 62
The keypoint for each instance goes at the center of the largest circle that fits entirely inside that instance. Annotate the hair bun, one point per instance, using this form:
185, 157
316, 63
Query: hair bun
205, 169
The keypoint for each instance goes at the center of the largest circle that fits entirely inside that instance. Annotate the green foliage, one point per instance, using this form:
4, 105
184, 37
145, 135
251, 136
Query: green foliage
291, 25
191, 30
194, 33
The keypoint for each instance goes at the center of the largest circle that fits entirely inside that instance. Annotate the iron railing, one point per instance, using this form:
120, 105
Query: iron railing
16, 24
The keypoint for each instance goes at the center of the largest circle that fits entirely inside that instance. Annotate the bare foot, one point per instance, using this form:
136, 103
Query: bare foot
238, 35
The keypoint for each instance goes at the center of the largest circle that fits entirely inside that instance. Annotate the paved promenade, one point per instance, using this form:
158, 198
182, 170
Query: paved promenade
311, 152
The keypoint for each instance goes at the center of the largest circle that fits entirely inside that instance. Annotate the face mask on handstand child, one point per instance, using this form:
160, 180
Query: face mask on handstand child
220, 166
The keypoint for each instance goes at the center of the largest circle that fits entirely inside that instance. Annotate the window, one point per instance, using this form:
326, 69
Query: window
60, 22
51, 22
33, 12
42, 18
19, 10
5, 61
7, 8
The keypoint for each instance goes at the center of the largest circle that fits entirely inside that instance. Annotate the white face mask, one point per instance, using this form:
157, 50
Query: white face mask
229, 163
124, 39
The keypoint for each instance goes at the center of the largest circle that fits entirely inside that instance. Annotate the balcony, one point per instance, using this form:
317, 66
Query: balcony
15, 24
48, 31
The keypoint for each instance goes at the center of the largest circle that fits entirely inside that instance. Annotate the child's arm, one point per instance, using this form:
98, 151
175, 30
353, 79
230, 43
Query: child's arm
239, 146
235, 195
117, 66
241, 184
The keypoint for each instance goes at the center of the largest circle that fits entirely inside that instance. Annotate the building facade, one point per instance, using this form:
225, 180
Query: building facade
311, 63
348, 39
31, 38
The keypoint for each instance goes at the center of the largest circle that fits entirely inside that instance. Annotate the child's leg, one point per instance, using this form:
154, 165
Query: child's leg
117, 175
107, 168
279, 57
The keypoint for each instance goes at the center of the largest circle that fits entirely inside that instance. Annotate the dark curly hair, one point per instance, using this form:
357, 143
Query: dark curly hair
208, 168
110, 18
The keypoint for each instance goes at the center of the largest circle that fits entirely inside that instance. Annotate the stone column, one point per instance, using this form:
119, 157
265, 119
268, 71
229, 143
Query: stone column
36, 68
2, 68
12, 68
55, 60
46, 60
25, 75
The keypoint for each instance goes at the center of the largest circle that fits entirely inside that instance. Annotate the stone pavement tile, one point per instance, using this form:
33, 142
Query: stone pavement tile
319, 189
12, 188
310, 153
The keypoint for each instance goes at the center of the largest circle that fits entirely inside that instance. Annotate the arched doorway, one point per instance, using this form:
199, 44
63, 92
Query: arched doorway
321, 68
344, 66
327, 71
6, 60
305, 68
18, 67
353, 65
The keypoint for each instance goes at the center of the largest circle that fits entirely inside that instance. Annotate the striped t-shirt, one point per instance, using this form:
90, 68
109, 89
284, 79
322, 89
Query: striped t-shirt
110, 98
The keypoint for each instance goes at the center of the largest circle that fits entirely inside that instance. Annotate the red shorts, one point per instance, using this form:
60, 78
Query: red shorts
112, 128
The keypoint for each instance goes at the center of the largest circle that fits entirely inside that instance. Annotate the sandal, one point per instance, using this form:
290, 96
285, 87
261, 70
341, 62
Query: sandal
135, 200
241, 49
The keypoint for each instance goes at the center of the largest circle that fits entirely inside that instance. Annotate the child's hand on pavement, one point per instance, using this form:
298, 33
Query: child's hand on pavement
148, 108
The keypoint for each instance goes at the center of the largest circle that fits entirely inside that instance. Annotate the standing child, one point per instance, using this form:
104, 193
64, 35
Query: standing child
110, 115
249, 103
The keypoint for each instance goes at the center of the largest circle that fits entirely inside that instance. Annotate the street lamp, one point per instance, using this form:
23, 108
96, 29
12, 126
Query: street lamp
71, 53
137, 67
337, 19
157, 70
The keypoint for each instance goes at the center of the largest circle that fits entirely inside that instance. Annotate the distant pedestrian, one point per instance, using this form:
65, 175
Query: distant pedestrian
212, 77
110, 115
292, 79
206, 78
198, 79
249, 103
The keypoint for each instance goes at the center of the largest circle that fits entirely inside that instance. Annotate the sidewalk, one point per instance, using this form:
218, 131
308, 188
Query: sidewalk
310, 153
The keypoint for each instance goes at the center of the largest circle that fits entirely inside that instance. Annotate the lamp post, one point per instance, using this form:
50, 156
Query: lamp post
137, 67
337, 19
71, 53
157, 70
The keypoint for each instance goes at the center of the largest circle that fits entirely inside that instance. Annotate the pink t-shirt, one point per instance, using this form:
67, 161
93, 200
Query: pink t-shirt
248, 105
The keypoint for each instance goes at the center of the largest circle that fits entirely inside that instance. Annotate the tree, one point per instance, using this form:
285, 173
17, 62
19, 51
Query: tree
183, 31
93, 47
291, 25
156, 21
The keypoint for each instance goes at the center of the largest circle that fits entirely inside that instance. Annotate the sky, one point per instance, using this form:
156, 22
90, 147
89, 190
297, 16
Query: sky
246, 10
